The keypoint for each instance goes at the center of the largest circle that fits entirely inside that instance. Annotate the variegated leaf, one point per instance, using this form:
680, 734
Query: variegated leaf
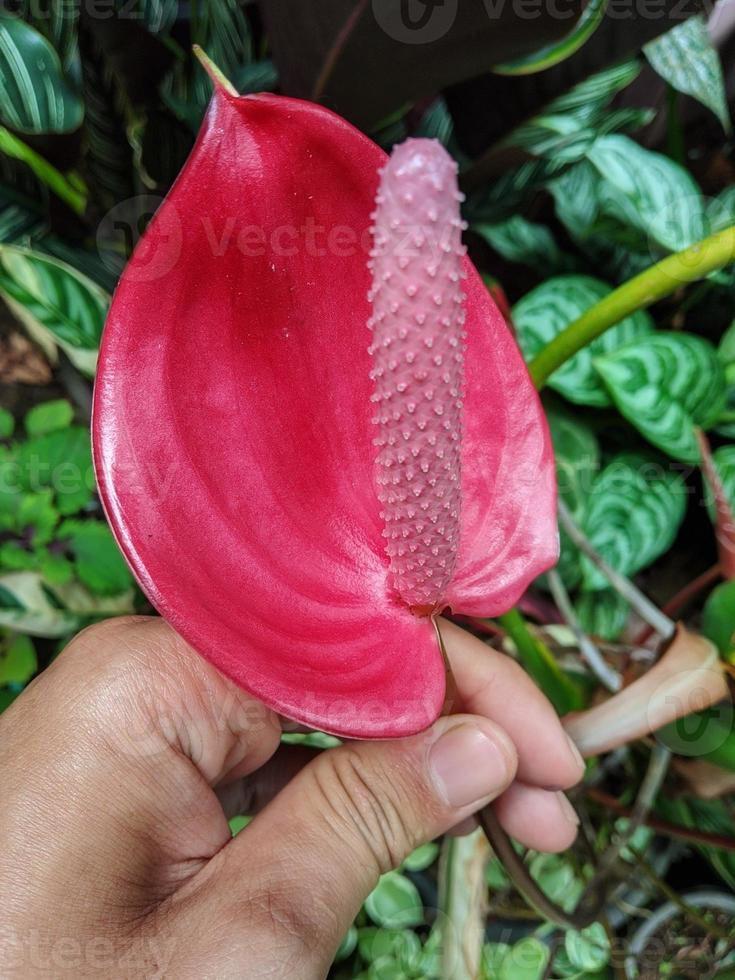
35, 96
56, 304
665, 384
648, 191
577, 455
603, 613
633, 514
520, 240
724, 460
686, 58
549, 308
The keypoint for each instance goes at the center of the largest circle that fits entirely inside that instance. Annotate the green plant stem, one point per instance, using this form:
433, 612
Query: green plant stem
13, 147
605, 674
541, 664
663, 278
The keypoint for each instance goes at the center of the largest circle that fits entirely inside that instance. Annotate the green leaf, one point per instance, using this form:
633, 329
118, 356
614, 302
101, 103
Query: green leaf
576, 197
556, 876
558, 51
260, 76
718, 617
6, 698
577, 461
422, 858
665, 384
649, 192
55, 569
721, 210
493, 955
57, 21
395, 903
577, 455
18, 661
400, 945
538, 660
634, 512
7, 424
347, 947
726, 348
588, 949
35, 97
97, 559
525, 961
545, 311
238, 823
73, 193
686, 58
49, 417
25, 606
724, 461
519, 240
36, 512
55, 303
61, 461
603, 613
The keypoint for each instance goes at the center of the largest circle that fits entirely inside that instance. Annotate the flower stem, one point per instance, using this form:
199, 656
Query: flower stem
663, 278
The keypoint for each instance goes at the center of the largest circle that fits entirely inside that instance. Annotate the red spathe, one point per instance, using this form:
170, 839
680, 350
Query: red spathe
233, 440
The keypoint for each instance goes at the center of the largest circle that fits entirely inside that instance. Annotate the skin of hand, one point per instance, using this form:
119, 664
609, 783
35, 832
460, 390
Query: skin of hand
121, 763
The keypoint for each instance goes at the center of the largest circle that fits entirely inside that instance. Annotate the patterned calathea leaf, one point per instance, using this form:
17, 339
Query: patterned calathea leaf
724, 461
57, 305
665, 384
687, 59
35, 96
603, 613
577, 455
649, 192
544, 312
633, 514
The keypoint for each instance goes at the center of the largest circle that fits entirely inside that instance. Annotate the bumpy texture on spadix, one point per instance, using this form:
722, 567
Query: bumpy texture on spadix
418, 356
233, 438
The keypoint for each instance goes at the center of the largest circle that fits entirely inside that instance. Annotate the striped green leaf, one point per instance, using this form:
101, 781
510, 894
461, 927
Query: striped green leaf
558, 51
56, 304
57, 20
686, 58
633, 515
724, 461
603, 613
648, 191
531, 244
577, 455
35, 96
549, 308
665, 384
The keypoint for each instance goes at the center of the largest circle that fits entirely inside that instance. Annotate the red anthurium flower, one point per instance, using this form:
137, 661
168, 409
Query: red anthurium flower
236, 449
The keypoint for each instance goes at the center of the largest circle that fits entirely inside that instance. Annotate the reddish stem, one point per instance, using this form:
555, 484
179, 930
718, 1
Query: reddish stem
683, 597
664, 827
724, 517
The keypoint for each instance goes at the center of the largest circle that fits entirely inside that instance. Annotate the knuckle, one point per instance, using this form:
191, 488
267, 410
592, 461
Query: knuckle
366, 803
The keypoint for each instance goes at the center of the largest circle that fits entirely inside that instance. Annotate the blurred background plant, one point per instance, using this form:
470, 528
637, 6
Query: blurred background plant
593, 148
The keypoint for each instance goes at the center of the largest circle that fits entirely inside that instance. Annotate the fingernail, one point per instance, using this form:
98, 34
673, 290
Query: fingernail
567, 809
468, 765
576, 754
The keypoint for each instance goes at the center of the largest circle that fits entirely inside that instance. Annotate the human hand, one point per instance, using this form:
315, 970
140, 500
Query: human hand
121, 763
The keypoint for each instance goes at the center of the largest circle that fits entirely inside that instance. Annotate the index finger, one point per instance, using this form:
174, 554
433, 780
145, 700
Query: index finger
491, 684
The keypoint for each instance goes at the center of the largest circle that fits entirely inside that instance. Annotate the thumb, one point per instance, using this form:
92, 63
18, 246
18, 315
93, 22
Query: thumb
297, 876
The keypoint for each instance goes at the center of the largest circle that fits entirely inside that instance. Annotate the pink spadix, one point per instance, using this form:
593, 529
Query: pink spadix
418, 367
